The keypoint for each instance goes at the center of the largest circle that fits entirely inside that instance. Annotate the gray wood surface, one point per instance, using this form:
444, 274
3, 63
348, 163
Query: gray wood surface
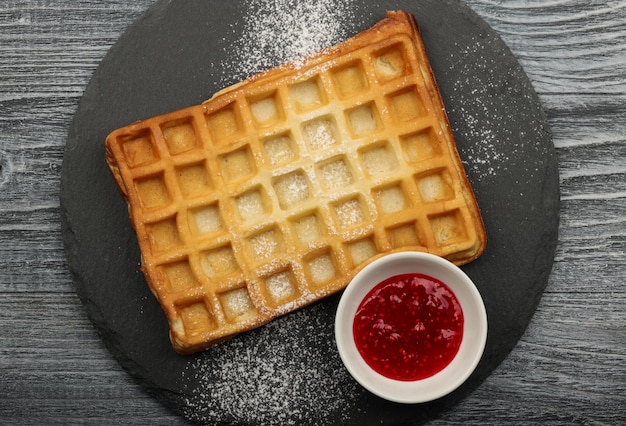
569, 367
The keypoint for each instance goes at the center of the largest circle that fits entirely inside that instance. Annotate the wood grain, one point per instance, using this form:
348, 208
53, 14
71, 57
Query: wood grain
570, 366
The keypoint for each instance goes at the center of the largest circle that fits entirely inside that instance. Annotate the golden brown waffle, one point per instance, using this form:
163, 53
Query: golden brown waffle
273, 194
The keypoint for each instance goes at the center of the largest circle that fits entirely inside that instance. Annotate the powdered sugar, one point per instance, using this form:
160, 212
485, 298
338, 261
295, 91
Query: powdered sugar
274, 376
288, 371
476, 90
279, 31
485, 156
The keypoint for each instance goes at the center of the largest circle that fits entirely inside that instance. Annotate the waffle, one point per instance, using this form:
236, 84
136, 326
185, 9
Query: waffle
276, 191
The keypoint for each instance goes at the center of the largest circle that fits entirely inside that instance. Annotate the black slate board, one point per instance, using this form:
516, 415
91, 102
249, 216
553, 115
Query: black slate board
289, 371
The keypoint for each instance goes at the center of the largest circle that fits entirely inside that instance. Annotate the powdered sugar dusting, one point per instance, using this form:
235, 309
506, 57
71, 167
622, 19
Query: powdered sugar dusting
288, 371
279, 31
480, 111
281, 381
485, 157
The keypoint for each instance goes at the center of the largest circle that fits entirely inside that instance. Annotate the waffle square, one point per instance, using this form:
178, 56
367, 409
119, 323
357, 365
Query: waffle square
276, 191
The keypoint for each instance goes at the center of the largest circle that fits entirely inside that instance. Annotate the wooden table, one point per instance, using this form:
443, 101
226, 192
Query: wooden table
569, 367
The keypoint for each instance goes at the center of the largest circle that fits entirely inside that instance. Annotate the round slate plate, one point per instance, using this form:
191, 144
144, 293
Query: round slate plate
179, 53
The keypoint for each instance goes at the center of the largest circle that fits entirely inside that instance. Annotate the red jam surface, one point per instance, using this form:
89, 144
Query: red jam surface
409, 327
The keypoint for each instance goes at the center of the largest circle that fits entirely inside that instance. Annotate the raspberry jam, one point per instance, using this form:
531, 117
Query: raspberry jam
408, 327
